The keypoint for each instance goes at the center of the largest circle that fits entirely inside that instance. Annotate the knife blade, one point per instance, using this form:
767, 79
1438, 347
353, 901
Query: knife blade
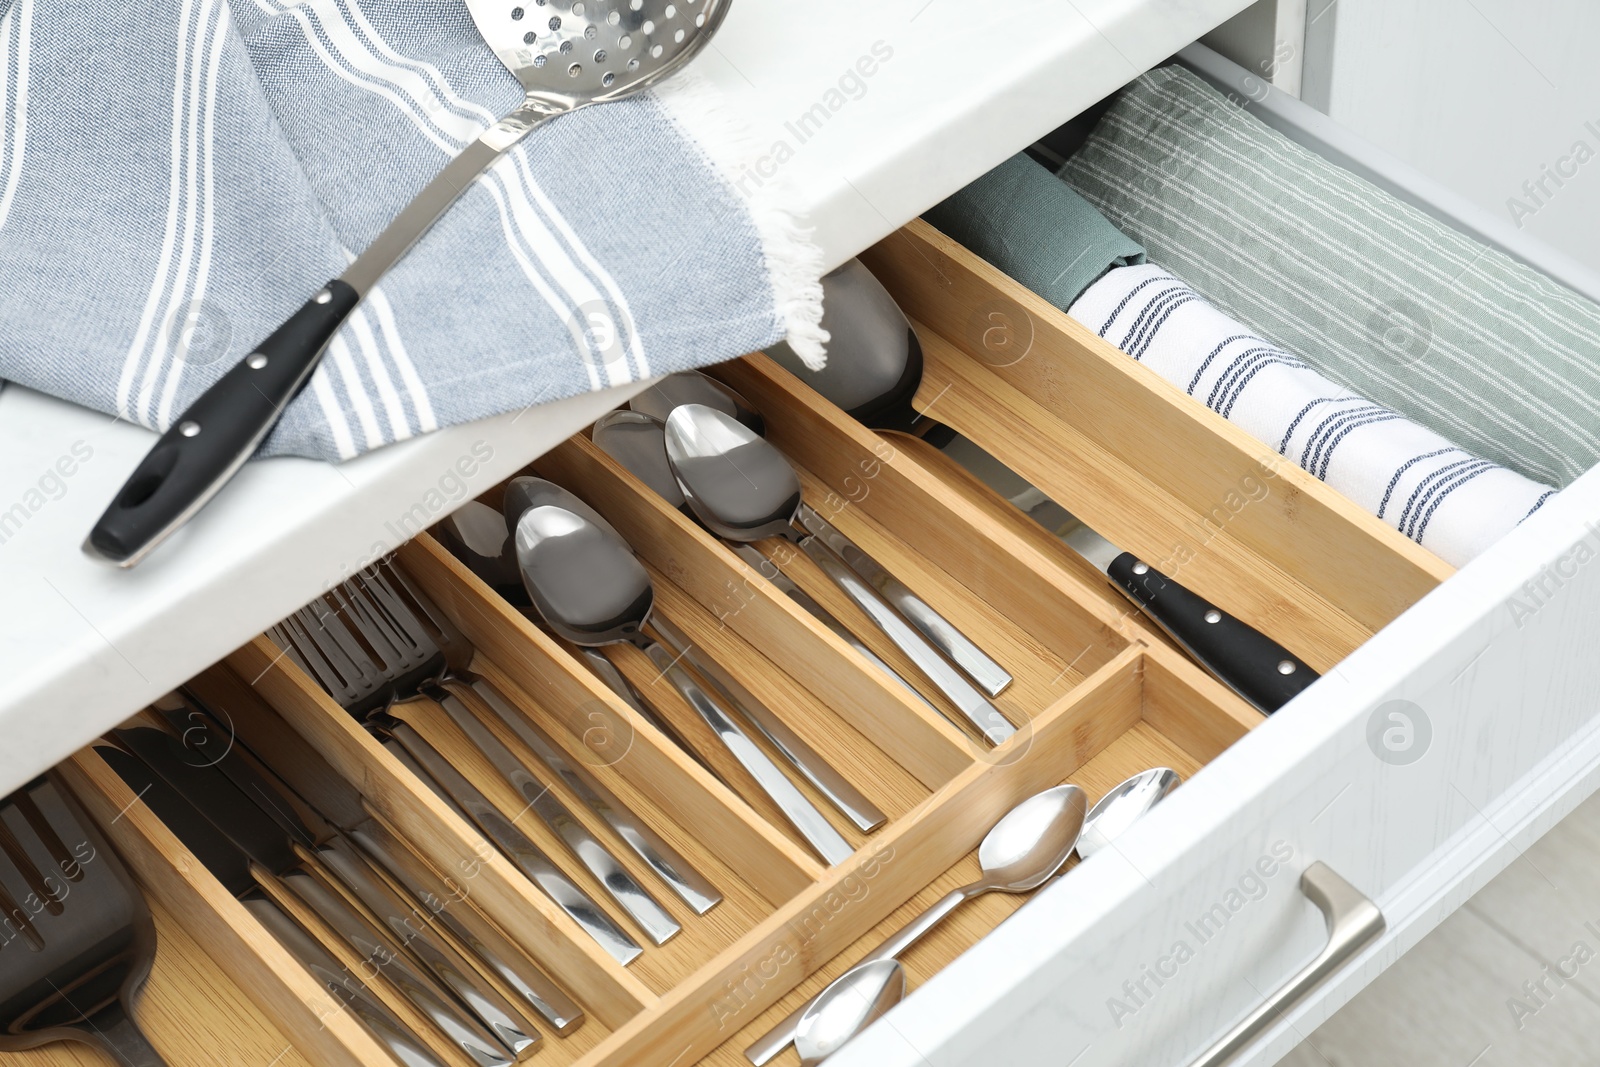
232, 868
1243, 658
234, 713
214, 798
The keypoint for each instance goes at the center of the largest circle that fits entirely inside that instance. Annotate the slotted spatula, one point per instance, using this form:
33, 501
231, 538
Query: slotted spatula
567, 54
76, 940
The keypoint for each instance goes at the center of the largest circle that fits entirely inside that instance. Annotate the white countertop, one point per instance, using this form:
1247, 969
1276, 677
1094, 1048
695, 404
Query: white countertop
956, 87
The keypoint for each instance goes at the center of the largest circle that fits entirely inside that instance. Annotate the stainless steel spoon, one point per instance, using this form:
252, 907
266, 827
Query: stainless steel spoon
851, 1003
525, 493
978, 665
695, 387
1019, 854
568, 54
638, 441
592, 591
1123, 806
744, 489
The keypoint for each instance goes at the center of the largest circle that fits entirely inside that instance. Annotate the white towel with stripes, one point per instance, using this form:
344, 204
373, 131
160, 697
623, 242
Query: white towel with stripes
1451, 502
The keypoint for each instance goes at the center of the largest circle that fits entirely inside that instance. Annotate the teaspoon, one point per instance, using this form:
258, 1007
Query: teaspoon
851, 1003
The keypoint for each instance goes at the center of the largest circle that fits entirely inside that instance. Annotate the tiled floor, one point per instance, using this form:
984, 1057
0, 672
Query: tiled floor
1512, 979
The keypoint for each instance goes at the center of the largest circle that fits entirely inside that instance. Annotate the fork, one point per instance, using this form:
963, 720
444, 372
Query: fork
371, 652
78, 940
396, 635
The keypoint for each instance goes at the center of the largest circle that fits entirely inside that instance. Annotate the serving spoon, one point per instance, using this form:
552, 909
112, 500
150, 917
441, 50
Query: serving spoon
593, 592
743, 489
851, 1003
567, 54
1020, 853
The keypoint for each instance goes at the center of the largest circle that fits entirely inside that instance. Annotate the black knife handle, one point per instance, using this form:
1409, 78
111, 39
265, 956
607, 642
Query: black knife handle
1242, 657
210, 441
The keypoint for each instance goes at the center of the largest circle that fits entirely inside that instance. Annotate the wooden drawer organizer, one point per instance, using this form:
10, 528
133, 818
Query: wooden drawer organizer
1098, 694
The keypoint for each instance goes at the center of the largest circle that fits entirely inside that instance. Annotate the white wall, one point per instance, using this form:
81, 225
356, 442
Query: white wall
1482, 95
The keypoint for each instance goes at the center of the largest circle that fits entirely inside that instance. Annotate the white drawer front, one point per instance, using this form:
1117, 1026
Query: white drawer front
1147, 955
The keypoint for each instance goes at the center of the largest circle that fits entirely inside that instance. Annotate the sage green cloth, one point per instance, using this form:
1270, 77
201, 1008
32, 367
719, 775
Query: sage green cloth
1368, 290
1022, 219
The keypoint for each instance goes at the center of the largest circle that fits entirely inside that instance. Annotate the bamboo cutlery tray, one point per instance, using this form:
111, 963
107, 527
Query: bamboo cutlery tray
1098, 694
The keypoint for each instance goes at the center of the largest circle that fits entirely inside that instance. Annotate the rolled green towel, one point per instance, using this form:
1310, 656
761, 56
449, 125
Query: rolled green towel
1370, 291
1021, 218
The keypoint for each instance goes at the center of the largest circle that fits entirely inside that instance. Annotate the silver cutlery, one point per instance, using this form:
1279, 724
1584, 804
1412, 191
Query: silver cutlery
231, 867
572, 54
873, 373
404, 951
247, 808
745, 490
1020, 853
695, 388
324, 645
638, 441
592, 591
1124, 805
525, 493
79, 940
282, 761
852, 1002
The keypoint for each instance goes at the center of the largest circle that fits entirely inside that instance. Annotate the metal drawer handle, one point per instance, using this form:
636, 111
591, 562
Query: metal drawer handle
1354, 922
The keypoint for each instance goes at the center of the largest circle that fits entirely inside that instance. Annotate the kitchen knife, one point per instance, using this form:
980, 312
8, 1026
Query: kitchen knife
1245, 659
232, 868
214, 798
253, 736
874, 369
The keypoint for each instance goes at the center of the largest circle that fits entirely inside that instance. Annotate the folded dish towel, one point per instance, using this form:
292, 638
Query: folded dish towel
1443, 497
1047, 237
172, 187
1367, 289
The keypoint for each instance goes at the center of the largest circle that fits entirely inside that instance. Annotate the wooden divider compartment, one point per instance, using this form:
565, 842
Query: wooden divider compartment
1099, 695
1147, 466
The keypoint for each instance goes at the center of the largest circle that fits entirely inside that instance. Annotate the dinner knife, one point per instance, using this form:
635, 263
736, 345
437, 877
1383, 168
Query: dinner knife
232, 868
254, 738
480, 1024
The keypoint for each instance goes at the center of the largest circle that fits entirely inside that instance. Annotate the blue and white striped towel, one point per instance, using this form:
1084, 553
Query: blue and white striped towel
1443, 497
176, 177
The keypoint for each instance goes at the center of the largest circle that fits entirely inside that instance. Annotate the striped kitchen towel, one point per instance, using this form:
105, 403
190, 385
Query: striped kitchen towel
1450, 501
1372, 292
177, 177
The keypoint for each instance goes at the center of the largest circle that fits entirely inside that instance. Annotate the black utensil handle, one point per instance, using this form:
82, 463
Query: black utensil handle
210, 441
1242, 657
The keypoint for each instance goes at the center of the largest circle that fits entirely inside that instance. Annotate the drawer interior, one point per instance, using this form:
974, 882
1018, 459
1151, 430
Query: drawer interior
1098, 694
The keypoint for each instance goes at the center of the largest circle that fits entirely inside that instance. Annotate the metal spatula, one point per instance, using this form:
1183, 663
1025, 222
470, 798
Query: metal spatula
76, 940
567, 54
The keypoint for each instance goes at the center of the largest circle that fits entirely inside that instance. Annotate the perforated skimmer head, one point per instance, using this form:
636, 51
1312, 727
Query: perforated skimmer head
568, 53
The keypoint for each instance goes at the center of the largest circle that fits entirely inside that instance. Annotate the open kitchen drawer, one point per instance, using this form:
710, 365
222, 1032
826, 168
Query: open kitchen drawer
1142, 955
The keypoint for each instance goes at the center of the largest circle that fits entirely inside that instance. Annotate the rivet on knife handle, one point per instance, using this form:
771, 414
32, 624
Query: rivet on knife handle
209, 442
1247, 660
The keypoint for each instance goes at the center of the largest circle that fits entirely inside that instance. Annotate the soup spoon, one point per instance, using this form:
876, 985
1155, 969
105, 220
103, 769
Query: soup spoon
591, 591
744, 489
